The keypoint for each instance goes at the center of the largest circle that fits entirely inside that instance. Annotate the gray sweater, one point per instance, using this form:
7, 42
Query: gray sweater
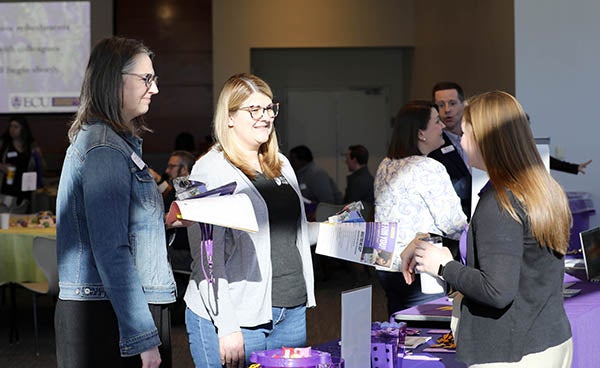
512, 286
242, 260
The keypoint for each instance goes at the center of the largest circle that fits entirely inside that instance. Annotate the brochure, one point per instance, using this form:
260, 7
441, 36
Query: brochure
370, 243
217, 207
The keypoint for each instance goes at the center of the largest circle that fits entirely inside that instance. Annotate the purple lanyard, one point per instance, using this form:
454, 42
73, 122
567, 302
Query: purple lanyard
206, 245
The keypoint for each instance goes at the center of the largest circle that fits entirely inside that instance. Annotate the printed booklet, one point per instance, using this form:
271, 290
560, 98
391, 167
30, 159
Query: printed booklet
370, 243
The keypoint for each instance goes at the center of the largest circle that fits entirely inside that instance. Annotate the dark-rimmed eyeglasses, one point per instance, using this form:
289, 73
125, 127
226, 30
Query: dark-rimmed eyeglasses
257, 112
147, 78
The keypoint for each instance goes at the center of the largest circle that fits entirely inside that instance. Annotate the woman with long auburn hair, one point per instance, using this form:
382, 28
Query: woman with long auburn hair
512, 312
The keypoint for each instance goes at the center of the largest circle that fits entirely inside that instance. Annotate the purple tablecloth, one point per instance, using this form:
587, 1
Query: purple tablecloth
447, 360
583, 311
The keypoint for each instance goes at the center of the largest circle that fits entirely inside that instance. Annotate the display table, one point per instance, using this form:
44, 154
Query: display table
16, 256
583, 311
416, 356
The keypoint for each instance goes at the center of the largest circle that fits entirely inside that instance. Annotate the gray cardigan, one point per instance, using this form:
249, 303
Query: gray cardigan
242, 260
512, 286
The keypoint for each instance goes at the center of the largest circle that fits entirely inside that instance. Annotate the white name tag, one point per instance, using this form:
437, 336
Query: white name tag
447, 149
138, 161
11, 154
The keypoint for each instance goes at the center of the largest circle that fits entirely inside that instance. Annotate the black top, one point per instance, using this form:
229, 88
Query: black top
458, 171
360, 187
564, 166
512, 287
20, 160
289, 288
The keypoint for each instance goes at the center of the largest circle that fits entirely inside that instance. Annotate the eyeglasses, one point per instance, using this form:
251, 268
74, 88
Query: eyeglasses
257, 112
147, 78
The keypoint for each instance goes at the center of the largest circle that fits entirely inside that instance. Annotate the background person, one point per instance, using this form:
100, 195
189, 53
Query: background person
360, 181
512, 313
19, 151
263, 282
114, 277
316, 185
416, 192
450, 100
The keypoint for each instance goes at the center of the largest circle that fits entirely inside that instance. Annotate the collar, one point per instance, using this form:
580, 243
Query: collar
485, 188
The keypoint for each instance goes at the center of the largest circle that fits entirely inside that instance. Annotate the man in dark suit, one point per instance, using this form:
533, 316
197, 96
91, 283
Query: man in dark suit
360, 180
449, 98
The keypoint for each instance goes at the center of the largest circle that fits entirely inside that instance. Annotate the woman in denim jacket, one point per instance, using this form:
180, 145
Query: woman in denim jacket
114, 277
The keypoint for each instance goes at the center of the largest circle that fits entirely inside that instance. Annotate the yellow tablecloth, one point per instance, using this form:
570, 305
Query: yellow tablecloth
16, 257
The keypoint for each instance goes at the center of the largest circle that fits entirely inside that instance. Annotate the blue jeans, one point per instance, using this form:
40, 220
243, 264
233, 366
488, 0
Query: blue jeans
288, 328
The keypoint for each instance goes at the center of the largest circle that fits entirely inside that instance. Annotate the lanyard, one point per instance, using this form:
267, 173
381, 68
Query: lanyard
206, 245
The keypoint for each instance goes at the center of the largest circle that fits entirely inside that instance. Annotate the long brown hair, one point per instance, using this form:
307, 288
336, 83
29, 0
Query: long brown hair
235, 91
502, 133
102, 89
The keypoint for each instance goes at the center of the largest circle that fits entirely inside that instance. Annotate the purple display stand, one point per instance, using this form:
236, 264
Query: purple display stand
582, 207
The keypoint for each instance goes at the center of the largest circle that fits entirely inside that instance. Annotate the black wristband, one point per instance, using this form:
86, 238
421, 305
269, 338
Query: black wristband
440, 272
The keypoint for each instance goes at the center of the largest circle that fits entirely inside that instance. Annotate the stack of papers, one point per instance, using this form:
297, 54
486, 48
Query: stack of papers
411, 342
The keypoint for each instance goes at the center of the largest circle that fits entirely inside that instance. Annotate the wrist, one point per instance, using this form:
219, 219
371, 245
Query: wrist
441, 270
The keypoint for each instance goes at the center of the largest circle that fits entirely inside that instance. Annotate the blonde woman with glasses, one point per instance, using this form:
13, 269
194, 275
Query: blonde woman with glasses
256, 295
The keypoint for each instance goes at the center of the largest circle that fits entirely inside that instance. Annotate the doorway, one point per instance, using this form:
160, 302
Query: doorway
330, 120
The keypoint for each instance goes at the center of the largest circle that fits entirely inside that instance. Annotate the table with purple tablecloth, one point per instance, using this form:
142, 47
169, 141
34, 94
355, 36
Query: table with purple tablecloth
414, 360
583, 311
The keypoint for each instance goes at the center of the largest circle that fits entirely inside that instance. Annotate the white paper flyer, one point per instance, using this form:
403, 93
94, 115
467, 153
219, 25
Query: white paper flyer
370, 243
234, 211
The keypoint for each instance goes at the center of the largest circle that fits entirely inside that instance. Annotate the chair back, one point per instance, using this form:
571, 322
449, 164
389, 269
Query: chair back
44, 253
324, 210
21, 208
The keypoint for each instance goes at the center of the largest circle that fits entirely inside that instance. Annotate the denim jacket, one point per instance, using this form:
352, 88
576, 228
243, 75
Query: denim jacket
110, 233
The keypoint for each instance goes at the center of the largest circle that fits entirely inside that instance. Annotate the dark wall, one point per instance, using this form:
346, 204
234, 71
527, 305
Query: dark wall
180, 34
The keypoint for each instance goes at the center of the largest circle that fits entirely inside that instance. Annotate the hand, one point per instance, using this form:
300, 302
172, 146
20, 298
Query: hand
179, 223
156, 176
151, 358
429, 257
581, 167
232, 350
408, 259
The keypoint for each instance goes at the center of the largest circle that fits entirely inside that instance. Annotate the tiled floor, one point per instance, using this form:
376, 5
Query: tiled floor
323, 322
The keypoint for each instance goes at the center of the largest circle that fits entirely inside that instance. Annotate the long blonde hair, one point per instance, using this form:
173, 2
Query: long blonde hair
235, 91
502, 133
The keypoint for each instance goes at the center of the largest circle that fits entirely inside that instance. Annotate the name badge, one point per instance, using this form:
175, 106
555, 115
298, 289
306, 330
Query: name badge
447, 149
138, 161
11, 154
